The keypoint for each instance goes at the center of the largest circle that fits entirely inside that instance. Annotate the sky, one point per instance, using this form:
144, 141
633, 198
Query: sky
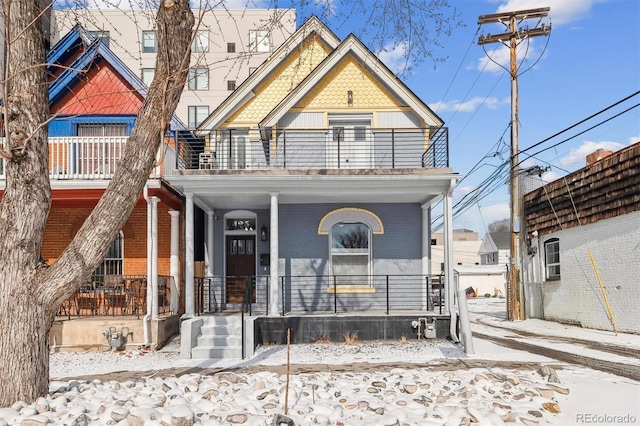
589, 61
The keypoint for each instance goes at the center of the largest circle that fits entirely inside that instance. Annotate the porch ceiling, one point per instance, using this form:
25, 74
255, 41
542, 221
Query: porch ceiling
251, 189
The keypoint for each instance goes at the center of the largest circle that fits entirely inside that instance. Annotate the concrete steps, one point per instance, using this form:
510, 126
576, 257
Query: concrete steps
220, 337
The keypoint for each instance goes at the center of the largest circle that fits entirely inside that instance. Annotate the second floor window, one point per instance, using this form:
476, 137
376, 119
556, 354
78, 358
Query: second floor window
259, 41
200, 42
197, 114
149, 44
147, 75
198, 79
231, 48
96, 130
103, 36
231, 85
552, 258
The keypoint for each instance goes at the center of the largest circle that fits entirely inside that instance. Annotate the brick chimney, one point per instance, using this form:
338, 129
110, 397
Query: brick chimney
598, 155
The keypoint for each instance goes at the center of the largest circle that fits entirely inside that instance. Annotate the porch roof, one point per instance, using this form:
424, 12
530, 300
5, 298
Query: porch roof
220, 189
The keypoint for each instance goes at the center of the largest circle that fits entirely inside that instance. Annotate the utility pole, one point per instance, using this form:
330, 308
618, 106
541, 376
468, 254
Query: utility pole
511, 39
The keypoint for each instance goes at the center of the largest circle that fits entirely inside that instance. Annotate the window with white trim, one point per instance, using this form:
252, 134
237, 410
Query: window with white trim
149, 42
97, 130
113, 262
552, 258
197, 114
198, 79
147, 75
350, 253
259, 41
200, 41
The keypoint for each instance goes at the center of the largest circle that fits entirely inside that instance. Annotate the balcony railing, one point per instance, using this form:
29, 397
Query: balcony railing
125, 296
94, 158
324, 294
335, 148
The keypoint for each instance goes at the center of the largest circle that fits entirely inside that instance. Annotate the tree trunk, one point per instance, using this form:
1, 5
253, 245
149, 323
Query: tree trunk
30, 292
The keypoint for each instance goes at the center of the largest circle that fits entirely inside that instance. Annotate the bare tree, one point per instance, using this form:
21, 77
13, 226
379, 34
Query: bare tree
30, 291
502, 225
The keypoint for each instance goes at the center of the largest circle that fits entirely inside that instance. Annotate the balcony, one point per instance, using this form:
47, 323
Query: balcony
335, 148
94, 158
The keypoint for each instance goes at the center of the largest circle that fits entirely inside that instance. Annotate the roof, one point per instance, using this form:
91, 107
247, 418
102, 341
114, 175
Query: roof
351, 46
85, 52
495, 241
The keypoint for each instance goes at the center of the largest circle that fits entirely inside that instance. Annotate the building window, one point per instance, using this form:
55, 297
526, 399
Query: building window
112, 264
231, 85
103, 36
350, 253
197, 114
200, 42
231, 48
198, 79
434, 242
147, 75
149, 41
97, 130
259, 41
552, 258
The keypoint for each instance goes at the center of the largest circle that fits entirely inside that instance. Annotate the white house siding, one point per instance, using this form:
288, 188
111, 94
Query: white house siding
395, 119
302, 120
576, 297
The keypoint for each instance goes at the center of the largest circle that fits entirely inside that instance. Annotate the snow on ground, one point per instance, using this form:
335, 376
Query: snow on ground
341, 393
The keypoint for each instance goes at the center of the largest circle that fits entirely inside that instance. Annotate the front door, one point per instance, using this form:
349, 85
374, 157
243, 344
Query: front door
350, 143
241, 266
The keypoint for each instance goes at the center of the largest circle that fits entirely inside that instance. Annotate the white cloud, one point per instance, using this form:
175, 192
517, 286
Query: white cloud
395, 57
577, 156
470, 105
479, 220
634, 139
497, 58
562, 11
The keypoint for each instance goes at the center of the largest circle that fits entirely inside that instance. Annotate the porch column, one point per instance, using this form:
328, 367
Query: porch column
209, 251
189, 299
426, 252
174, 265
447, 218
274, 289
154, 256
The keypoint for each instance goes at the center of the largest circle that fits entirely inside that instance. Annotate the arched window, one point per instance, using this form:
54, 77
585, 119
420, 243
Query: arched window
350, 232
552, 258
350, 253
113, 261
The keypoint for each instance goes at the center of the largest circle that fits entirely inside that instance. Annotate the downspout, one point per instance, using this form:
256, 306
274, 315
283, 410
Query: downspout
147, 317
448, 261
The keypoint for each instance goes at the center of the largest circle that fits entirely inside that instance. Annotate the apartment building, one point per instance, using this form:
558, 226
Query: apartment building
228, 45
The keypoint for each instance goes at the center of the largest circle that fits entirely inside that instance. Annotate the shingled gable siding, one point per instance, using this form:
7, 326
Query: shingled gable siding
607, 189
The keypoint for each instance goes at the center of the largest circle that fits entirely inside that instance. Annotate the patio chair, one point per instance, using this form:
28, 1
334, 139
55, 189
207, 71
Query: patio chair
114, 294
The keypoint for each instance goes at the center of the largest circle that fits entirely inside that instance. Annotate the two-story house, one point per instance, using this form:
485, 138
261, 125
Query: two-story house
316, 177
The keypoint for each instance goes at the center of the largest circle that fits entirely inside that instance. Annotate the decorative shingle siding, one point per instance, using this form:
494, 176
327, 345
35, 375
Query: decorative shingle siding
606, 189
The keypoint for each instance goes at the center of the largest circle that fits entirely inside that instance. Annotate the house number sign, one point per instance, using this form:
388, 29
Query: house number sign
241, 224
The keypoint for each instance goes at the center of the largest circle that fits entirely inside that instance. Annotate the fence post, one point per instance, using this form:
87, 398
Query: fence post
335, 295
282, 294
393, 149
267, 295
387, 294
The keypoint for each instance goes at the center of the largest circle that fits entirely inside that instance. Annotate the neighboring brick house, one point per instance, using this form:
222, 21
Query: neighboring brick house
591, 213
94, 101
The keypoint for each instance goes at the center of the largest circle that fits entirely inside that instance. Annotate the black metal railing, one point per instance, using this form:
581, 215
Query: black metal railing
307, 149
121, 295
322, 293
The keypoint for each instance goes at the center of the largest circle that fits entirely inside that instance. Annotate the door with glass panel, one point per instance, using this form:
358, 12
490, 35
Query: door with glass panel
241, 266
349, 145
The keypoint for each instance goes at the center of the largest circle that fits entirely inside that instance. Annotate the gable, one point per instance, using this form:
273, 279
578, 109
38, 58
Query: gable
287, 75
348, 75
102, 91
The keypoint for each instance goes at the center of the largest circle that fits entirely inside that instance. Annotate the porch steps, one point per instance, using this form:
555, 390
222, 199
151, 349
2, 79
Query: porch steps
221, 337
